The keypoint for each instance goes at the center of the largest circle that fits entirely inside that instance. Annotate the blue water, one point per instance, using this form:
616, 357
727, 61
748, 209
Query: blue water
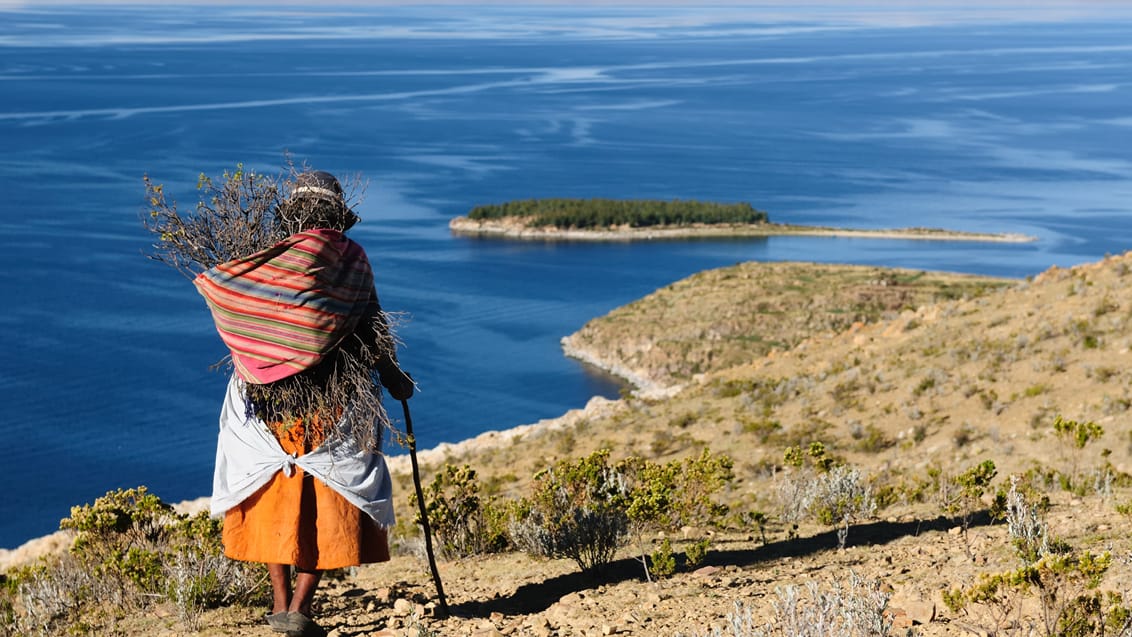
854, 119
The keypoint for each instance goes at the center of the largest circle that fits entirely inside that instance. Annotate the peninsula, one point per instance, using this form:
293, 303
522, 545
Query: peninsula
635, 220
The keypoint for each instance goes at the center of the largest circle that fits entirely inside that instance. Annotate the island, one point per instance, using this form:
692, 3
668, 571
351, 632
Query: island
649, 219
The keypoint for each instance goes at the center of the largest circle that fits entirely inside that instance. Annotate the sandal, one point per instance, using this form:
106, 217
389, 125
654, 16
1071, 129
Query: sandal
279, 622
299, 625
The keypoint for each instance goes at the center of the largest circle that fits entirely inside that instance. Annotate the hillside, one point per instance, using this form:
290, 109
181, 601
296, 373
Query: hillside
908, 378
721, 318
931, 390
954, 382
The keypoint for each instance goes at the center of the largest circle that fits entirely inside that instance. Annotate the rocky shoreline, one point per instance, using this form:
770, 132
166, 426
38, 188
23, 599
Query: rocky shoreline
517, 229
643, 385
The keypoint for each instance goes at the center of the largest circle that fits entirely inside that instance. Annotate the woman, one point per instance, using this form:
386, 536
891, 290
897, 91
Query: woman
300, 478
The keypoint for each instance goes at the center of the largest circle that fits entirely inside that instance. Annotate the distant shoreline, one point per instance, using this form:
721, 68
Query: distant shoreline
516, 229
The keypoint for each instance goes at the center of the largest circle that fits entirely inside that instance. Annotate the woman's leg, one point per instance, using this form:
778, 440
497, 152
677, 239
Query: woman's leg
306, 582
280, 575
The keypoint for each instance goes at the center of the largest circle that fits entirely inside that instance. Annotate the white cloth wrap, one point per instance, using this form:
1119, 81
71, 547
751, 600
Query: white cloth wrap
248, 456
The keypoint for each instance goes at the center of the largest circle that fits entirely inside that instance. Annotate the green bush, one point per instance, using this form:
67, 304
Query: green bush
1078, 435
962, 494
674, 495
697, 551
663, 560
815, 456
1066, 588
586, 509
576, 510
678, 493
120, 538
464, 522
131, 550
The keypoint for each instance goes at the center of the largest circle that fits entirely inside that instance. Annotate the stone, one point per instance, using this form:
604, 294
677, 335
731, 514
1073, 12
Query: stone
918, 609
402, 607
900, 619
706, 571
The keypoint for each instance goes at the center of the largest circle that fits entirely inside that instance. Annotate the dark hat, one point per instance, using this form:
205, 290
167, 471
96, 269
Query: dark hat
320, 185
317, 199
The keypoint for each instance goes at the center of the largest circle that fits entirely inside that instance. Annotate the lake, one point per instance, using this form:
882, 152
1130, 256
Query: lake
871, 119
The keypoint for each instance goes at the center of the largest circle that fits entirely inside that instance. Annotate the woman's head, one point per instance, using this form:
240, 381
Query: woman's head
316, 201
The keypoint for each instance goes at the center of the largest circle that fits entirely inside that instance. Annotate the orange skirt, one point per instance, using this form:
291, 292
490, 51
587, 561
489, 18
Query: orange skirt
300, 521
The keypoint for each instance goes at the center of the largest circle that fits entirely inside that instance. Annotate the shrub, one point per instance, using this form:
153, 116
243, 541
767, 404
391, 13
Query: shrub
1080, 434
962, 494
822, 489
871, 439
697, 551
843, 494
585, 509
1077, 435
678, 493
463, 521
815, 456
1027, 527
576, 510
120, 538
674, 495
663, 560
861, 608
1066, 590
762, 428
131, 550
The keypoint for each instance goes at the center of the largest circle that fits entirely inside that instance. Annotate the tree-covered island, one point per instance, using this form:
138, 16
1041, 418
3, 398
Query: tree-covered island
613, 213
631, 219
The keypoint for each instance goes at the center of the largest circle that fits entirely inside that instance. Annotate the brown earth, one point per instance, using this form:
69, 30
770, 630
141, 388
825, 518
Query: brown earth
917, 391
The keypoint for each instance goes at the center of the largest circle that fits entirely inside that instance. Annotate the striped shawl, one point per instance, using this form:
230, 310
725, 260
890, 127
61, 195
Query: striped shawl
282, 310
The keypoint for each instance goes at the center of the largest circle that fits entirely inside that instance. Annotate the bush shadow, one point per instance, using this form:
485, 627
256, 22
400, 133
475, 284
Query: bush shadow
537, 597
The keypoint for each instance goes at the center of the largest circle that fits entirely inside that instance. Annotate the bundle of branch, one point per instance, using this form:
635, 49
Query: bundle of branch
239, 214
234, 218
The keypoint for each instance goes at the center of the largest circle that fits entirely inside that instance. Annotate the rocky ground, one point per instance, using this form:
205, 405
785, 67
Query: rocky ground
912, 559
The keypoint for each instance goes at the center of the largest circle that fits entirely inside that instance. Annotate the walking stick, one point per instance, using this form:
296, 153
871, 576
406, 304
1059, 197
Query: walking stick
424, 511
